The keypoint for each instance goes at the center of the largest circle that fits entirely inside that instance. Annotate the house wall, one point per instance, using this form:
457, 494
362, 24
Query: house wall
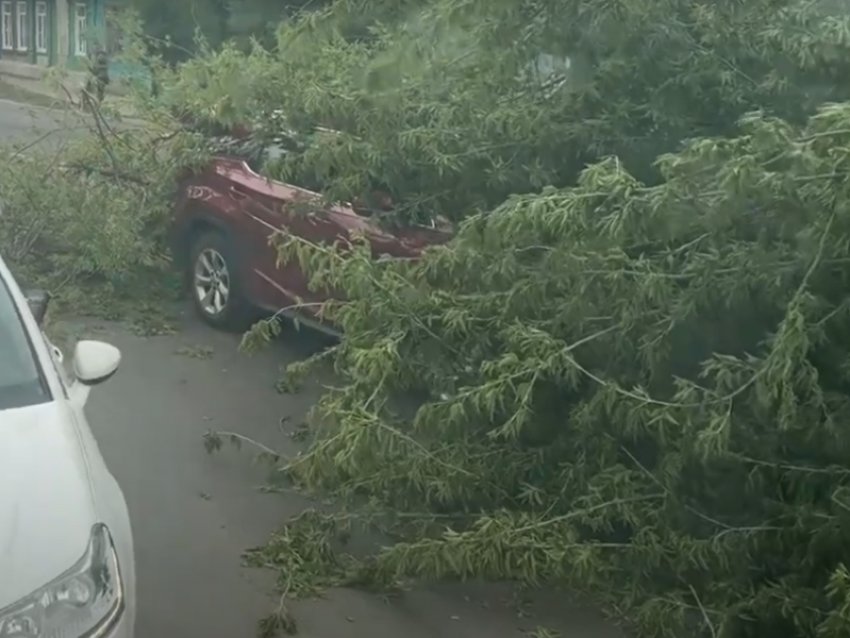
102, 31
63, 47
76, 57
61, 32
114, 39
18, 31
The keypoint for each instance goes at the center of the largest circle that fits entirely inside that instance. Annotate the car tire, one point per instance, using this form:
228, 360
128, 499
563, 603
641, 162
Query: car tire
214, 284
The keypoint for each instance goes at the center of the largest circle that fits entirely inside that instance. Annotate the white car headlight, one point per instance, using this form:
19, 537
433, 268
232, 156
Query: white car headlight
85, 601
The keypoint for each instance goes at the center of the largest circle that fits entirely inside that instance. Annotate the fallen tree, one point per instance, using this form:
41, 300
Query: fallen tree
631, 368
431, 107
636, 391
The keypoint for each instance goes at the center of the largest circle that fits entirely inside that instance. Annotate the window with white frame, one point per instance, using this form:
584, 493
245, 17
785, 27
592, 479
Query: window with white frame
23, 26
41, 27
81, 26
6, 19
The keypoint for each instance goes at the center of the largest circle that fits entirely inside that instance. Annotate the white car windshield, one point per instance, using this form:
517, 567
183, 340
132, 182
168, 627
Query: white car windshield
21, 381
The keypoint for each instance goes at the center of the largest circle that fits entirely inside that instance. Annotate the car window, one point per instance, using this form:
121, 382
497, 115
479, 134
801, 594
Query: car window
21, 380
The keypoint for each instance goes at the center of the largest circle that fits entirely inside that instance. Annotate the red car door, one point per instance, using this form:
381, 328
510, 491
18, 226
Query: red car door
276, 286
268, 207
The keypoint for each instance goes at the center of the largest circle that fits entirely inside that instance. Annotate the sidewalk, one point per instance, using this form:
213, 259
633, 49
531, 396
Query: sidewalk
34, 79
52, 87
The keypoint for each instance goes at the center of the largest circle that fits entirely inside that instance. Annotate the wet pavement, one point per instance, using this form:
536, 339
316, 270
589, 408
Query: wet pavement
39, 126
193, 513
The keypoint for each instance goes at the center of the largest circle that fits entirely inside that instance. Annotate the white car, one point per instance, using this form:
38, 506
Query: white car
66, 548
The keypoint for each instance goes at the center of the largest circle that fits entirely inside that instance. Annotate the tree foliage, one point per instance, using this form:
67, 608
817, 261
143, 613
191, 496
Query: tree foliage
629, 368
176, 29
630, 363
430, 105
637, 391
85, 207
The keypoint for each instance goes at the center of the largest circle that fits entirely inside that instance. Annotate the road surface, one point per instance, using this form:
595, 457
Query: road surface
27, 123
193, 513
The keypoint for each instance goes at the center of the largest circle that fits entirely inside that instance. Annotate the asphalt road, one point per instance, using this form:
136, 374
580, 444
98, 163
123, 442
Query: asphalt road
36, 124
193, 513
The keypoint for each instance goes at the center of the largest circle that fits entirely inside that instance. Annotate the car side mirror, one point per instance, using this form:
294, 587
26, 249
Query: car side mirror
95, 362
38, 301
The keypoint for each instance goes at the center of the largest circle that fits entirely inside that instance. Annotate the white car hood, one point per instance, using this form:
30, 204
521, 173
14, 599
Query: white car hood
46, 504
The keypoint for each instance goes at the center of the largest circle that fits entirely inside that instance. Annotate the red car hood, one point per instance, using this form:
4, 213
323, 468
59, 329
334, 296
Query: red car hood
413, 237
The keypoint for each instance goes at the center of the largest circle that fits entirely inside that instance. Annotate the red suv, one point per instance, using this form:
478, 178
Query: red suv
224, 217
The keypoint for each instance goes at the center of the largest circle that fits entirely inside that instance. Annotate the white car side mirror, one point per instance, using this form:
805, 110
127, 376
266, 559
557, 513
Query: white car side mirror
95, 362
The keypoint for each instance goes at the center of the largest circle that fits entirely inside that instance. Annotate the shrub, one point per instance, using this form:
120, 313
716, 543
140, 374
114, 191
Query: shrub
95, 210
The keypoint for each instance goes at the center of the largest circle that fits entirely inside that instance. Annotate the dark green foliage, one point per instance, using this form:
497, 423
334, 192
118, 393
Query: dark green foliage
638, 391
435, 109
174, 28
634, 364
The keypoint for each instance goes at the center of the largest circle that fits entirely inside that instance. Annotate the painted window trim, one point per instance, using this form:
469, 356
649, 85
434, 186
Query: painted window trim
41, 18
22, 34
79, 36
7, 20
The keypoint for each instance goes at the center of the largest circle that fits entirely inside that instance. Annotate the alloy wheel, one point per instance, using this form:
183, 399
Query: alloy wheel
212, 282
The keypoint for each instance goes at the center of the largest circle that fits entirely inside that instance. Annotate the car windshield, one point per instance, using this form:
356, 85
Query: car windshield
21, 381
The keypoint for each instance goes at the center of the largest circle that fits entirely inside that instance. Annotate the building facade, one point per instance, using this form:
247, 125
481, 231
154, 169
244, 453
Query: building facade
58, 32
